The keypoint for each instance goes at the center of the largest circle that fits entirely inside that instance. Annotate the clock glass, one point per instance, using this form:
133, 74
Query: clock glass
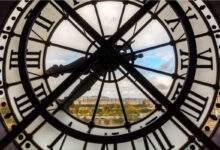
110, 74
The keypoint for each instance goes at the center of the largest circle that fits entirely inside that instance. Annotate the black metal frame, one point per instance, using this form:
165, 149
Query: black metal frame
217, 86
171, 110
101, 41
93, 43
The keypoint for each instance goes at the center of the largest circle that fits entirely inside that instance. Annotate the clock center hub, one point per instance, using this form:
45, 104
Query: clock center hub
110, 68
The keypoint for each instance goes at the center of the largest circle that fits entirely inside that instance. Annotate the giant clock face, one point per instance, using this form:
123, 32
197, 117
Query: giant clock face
110, 74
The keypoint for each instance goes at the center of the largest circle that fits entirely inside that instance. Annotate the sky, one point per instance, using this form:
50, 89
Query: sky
161, 59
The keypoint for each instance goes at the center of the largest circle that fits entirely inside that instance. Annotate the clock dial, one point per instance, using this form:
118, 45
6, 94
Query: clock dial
110, 75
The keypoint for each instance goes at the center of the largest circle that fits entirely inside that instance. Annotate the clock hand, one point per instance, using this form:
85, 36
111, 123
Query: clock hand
56, 70
40, 109
116, 58
123, 47
84, 86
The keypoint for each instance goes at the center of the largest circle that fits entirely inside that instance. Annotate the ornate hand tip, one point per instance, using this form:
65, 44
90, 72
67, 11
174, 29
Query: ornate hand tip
52, 71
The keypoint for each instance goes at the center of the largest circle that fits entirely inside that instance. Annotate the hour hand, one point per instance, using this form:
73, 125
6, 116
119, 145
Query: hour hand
56, 70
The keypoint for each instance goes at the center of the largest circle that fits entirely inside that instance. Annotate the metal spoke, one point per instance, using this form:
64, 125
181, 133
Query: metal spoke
144, 82
173, 109
118, 34
139, 30
78, 19
98, 100
170, 107
154, 47
135, 28
83, 32
85, 146
79, 90
173, 75
147, 23
132, 21
156, 71
172, 42
48, 43
99, 20
109, 75
120, 99
41, 108
70, 48
121, 16
137, 86
74, 25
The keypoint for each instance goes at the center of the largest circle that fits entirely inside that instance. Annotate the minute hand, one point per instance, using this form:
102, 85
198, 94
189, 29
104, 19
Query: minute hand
84, 86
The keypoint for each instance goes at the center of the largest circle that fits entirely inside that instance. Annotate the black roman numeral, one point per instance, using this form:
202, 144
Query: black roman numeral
194, 104
203, 61
42, 21
23, 103
158, 138
58, 138
32, 59
104, 147
176, 21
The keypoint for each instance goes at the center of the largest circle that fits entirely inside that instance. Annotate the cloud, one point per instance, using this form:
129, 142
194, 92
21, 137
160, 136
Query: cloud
60, 56
162, 82
162, 59
169, 66
154, 34
51, 62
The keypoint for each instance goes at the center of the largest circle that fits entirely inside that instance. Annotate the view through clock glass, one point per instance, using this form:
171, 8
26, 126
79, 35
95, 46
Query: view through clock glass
110, 74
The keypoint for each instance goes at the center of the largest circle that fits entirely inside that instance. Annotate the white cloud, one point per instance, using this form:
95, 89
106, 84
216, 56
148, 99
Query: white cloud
153, 34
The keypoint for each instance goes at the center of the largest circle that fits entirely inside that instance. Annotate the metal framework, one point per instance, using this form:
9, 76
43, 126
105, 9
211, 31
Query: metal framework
108, 54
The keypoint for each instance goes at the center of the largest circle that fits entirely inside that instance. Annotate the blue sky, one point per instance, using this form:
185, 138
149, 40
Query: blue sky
160, 59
